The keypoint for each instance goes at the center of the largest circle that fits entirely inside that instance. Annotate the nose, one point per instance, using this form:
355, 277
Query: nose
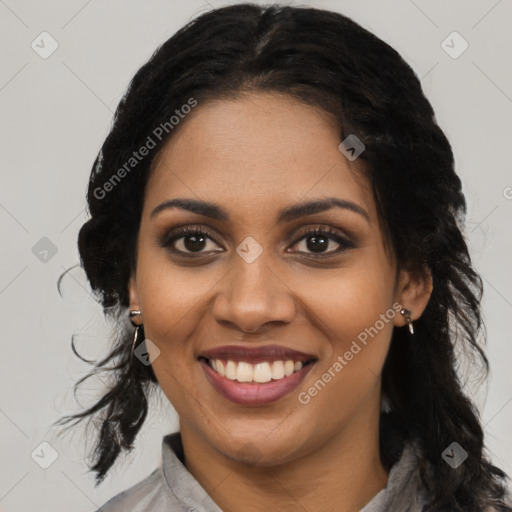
253, 297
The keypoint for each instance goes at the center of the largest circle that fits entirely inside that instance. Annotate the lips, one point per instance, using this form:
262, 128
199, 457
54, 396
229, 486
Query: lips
255, 355
276, 371
252, 394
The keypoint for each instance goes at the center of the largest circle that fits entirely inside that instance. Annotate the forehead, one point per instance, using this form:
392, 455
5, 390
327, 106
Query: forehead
257, 152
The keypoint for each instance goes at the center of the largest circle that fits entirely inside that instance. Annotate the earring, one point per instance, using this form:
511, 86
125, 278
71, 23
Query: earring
137, 336
134, 312
385, 404
407, 315
137, 333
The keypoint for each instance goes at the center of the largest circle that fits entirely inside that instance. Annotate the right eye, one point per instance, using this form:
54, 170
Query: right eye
187, 241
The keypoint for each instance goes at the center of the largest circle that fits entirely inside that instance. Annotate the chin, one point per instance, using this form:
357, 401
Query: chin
260, 454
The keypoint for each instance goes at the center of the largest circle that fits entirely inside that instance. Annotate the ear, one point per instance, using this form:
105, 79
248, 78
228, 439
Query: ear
134, 297
413, 293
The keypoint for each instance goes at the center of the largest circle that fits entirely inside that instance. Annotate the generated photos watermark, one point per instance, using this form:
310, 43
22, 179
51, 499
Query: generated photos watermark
305, 397
150, 143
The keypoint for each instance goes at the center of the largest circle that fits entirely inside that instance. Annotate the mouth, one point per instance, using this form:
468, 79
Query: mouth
251, 379
259, 373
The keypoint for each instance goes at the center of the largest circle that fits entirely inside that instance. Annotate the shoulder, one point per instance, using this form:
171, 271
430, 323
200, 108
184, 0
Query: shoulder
150, 494
409, 484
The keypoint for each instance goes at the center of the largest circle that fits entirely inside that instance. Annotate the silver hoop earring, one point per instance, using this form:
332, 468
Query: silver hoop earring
138, 336
137, 333
134, 313
385, 404
407, 315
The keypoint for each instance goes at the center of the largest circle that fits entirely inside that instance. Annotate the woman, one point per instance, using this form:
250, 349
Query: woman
276, 211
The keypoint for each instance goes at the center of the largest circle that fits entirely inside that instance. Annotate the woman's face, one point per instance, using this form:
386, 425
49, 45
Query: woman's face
255, 277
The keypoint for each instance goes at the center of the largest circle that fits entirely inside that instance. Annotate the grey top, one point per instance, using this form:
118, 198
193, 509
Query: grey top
171, 488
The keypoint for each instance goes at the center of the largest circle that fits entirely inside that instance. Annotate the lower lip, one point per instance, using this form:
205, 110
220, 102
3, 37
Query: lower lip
254, 394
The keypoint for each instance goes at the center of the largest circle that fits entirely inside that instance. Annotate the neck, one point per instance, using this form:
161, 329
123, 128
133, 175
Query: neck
344, 474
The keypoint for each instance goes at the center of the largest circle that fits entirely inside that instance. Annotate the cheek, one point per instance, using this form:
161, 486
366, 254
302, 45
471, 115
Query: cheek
168, 303
171, 305
349, 301
356, 318
171, 297
353, 311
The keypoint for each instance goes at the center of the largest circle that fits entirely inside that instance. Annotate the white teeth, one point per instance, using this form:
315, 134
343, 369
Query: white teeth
231, 370
289, 366
260, 372
277, 370
220, 367
244, 372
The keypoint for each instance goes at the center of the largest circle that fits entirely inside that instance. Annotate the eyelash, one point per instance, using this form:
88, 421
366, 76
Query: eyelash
187, 231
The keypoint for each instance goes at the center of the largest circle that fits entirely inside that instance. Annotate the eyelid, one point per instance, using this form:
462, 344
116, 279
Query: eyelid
181, 232
345, 242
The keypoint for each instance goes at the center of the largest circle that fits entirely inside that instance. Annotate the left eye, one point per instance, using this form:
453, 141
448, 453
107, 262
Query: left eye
318, 239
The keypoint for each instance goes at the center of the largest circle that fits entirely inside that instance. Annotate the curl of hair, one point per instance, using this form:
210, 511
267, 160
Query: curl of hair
326, 60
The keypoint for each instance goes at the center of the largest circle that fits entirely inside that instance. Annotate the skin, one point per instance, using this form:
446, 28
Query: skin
254, 155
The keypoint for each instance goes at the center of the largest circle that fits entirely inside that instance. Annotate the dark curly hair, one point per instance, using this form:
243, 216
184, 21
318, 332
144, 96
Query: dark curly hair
326, 60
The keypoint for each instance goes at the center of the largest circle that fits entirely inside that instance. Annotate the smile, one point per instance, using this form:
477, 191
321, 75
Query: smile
255, 384
259, 373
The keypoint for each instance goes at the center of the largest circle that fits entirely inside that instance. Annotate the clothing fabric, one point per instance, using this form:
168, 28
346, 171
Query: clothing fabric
171, 488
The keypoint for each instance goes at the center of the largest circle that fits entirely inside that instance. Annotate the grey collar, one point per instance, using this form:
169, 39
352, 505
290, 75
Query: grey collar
404, 491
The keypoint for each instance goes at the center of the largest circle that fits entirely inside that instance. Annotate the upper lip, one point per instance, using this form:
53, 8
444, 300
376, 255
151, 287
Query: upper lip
256, 354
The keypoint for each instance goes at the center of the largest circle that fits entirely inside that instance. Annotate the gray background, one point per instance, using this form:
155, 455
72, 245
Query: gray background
56, 113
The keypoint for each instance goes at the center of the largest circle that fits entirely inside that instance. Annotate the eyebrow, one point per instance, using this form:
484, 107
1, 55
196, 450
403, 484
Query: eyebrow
287, 214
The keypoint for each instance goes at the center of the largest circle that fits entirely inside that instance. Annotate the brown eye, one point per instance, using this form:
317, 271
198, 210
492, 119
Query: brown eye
188, 240
318, 240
